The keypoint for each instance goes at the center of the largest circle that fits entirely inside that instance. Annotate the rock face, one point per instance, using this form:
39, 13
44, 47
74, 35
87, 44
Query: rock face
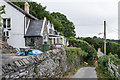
48, 65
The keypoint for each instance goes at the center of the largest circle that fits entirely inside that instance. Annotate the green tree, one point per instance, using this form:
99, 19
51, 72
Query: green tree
67, 27
94, 37
118, 52
58, 26
36, 10
60, 21
2, 11
112, 46
92, 42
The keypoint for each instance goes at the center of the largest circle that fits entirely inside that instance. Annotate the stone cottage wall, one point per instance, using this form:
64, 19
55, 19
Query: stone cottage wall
48, 65
38, 42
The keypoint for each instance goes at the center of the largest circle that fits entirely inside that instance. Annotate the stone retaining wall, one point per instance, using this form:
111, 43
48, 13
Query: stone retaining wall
48, 65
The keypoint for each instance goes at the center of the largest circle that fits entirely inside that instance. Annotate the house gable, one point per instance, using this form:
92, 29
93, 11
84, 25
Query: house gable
38, 28
44, 23
45, 33
34, 28
21, 10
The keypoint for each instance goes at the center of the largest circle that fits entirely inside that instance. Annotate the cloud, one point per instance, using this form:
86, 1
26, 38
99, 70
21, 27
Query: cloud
87, 15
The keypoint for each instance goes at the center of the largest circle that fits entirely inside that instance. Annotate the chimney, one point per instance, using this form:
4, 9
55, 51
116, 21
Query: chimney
26, 8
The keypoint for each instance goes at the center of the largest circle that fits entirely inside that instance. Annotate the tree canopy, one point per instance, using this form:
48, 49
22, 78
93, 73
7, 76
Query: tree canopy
60, 21
66, 26
2, 11
92, 42
112, 46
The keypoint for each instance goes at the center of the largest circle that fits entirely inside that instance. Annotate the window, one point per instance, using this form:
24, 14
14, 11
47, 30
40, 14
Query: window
4, 23
32, 40
54, 40
31, 43
7, 23
6, 33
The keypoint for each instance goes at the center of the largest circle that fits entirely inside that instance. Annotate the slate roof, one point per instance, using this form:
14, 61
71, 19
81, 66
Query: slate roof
21, 10
34, 28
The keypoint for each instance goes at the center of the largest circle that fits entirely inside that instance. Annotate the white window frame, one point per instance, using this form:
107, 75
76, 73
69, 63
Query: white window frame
6, 19
6, 33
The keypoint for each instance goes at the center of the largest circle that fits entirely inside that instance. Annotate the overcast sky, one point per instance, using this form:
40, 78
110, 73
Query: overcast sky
88, 15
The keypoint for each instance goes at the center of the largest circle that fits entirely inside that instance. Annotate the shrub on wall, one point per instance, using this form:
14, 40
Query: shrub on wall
71, 54
90, 53
74, 54
89, 49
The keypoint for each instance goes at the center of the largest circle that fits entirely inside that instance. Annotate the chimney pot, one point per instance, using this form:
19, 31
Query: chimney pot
26, 8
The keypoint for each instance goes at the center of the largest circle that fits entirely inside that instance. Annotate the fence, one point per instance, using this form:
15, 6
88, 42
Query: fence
113, 69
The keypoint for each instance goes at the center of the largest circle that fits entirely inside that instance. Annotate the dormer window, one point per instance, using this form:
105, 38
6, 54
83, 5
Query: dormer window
7, 23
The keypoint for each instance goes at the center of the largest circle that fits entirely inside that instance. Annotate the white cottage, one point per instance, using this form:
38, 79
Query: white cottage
54, 36
17, 24
22, 29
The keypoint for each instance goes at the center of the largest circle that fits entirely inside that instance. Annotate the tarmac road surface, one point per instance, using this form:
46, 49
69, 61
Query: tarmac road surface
86, 72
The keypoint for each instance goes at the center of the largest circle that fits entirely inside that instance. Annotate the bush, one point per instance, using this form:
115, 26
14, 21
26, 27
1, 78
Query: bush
73, 54
92, 42
89, 49
90, 53
102, 69
115, 59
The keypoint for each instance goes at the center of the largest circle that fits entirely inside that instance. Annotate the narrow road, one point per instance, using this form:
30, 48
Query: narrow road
86, 72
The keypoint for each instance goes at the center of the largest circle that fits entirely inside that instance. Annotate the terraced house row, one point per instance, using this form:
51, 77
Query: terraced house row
21, 29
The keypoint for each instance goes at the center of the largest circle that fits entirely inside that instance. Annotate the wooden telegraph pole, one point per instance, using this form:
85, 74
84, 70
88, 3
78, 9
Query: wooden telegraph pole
105, 37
